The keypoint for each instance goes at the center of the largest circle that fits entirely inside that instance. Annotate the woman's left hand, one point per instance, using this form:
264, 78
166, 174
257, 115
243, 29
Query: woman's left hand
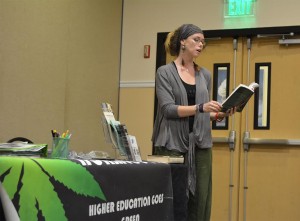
227, 113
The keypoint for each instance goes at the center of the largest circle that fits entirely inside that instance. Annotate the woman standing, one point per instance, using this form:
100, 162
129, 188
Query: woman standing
182, 125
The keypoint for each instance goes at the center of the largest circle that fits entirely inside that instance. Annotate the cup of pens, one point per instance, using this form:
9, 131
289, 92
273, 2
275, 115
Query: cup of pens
60, 145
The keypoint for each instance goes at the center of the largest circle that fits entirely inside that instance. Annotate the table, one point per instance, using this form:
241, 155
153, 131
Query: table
57, 189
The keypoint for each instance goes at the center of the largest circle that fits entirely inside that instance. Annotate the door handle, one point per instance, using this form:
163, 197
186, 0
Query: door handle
268, 141
287, 142
230, 139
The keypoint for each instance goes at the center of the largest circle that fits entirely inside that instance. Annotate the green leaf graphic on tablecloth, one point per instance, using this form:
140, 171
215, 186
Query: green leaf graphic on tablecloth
13, 177
41, 190
78, 179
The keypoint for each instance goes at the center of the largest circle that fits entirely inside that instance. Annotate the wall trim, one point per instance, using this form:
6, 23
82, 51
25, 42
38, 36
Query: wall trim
136, 84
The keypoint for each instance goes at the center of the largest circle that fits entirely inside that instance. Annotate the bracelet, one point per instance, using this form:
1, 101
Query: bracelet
200, 108
217, 117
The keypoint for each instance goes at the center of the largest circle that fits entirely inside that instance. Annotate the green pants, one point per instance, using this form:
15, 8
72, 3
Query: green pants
199, 205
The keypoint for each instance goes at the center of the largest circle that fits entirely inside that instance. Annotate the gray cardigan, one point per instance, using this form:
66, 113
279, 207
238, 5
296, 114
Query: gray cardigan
172, 131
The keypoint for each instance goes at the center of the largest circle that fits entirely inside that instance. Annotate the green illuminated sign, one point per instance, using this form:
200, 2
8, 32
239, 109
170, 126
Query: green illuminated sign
239, 8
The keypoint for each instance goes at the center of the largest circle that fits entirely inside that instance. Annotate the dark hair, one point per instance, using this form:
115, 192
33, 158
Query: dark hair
172, 44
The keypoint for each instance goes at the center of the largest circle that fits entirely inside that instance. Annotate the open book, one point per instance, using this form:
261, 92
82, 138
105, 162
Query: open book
239, 97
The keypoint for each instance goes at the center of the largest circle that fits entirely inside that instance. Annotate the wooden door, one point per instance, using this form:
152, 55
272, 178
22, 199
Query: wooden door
256, 177
226, 158
269, 170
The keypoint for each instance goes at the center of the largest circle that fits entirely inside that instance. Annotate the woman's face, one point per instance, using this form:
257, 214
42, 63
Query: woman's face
194, 44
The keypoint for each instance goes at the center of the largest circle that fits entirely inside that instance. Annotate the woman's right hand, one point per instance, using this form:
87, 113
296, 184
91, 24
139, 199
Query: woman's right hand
212, 106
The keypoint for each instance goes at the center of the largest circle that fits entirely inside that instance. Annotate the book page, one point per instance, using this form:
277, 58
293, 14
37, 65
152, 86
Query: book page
238, 98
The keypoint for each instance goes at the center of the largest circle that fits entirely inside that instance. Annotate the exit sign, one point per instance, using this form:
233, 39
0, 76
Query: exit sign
239, 8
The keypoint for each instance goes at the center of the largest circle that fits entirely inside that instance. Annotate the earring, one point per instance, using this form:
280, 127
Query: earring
183, 47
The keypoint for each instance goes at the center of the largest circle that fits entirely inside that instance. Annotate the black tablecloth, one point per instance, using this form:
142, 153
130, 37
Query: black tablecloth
55, 189
179, 183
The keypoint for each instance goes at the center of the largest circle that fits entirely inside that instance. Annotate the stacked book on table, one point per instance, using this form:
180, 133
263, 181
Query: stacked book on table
23, 149
165, 159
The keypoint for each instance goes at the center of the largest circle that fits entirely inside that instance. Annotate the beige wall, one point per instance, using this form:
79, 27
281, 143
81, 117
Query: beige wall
137, 107
143, 19
59, 60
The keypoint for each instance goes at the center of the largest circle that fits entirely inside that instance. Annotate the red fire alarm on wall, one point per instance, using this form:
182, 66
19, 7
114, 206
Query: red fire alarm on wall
146, 51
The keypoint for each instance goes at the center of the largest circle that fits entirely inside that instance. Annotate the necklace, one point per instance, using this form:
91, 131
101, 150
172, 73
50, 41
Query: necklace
185, 69
182, 68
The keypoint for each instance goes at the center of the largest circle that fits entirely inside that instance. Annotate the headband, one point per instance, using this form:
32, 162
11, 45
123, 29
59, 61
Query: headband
188, 30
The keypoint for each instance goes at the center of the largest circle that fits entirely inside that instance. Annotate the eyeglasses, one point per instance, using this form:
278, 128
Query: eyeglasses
199, 40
